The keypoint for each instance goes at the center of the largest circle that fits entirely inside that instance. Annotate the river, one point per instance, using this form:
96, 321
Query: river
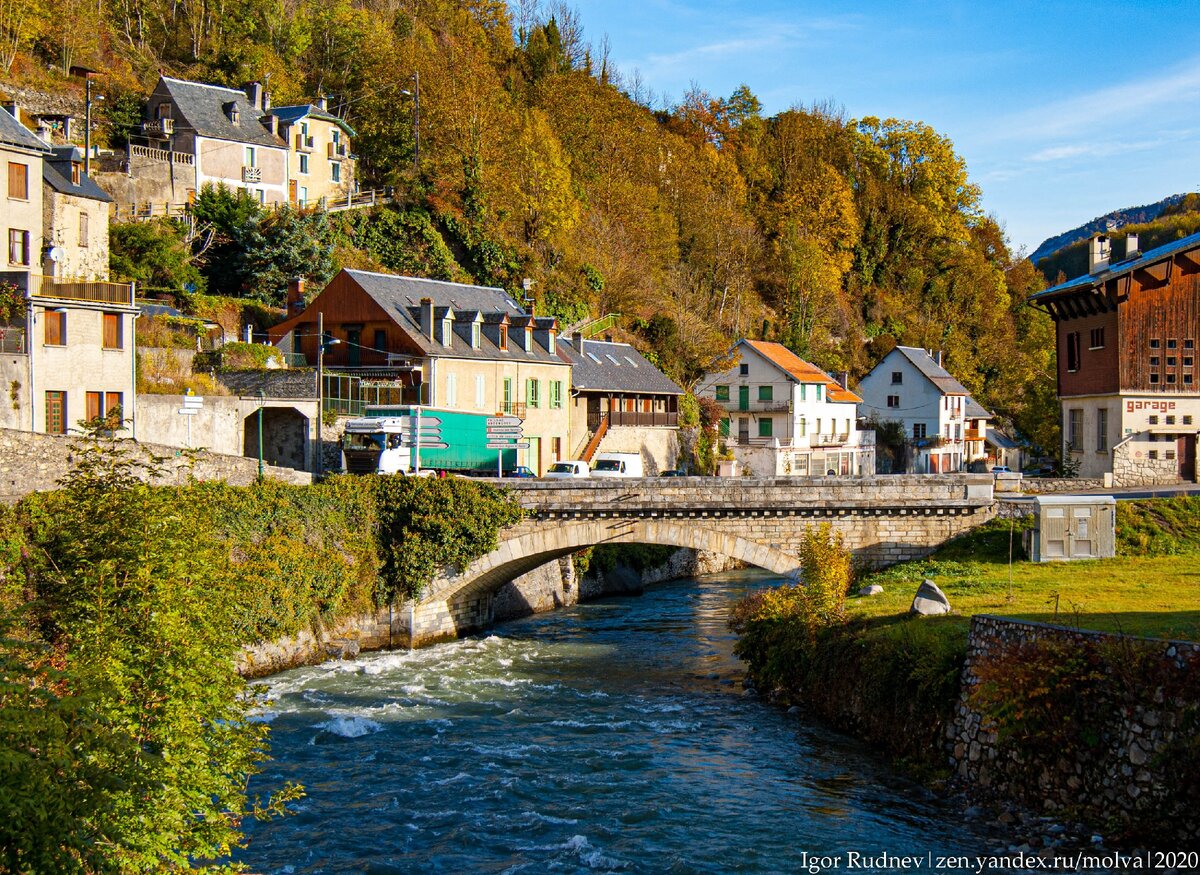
611, 736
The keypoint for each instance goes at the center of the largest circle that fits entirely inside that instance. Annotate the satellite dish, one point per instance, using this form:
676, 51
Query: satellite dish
54, 254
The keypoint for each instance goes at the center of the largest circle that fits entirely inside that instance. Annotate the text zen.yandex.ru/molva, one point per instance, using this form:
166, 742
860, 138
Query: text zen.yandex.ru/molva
1059, 861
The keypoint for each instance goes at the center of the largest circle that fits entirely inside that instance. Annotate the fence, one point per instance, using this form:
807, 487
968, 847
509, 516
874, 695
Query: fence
347, 395
80, 290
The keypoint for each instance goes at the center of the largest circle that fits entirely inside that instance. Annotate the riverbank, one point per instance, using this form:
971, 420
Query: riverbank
1068, 725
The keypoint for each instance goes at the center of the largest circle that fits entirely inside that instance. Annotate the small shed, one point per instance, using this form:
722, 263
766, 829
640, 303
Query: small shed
1072, 527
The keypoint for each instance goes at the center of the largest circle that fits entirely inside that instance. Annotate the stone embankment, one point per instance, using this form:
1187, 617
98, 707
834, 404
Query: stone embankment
33, 462
1124, 773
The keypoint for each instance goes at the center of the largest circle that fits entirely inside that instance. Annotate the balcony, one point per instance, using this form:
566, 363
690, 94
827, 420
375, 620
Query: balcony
251, 174
643, 419
337, 150
159, 128
303, 143
92, 291
828, 440
973, 434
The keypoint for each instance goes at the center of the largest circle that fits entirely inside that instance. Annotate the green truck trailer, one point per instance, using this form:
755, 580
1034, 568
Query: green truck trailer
463, 434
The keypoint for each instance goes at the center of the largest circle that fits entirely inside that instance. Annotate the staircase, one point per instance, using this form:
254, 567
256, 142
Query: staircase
594, 443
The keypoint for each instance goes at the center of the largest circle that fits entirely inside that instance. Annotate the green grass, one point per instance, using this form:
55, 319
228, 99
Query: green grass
1150, 595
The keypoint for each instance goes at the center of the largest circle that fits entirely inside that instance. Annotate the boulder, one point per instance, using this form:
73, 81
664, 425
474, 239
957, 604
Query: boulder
873, 589
929, 600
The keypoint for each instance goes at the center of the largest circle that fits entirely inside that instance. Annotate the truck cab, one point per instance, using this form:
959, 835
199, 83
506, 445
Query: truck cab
375, 445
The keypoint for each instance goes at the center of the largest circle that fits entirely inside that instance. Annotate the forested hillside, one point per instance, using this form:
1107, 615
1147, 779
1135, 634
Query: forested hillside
1117, 218
699, 219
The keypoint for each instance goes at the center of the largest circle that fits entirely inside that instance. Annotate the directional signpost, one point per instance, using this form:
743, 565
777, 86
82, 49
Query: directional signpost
504, 433
422, 431
192, 404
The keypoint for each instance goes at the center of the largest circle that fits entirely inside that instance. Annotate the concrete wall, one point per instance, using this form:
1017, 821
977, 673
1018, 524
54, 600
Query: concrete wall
659, 447
14, 391
1125, 778
32, 462
225, 421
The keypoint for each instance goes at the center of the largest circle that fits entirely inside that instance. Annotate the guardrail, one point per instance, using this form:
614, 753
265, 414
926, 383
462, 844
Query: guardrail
80, 290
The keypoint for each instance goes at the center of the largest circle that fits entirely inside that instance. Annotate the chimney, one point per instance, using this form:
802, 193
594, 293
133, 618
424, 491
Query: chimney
295, 295
1131, 246
266, 100
577, 342
842, 378
272, 122
254, 92
323, 103
1099, 253
427, 317
13, 108
608, 337
936, 355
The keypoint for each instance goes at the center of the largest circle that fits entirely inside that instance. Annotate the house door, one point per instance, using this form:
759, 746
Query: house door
292, 192
743, 430
1186, 451
354, 347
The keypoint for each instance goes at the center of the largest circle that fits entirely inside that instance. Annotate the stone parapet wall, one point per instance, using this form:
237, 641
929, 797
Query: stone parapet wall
1124, 777
34, 462
1051, 485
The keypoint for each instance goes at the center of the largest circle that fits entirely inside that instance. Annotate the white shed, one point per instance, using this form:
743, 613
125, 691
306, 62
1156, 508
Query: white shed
1073, 527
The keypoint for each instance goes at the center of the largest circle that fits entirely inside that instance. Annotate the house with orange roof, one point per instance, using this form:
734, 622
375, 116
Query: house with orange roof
786, 416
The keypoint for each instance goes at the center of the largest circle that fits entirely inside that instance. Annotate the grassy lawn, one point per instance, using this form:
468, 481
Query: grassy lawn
1156, 596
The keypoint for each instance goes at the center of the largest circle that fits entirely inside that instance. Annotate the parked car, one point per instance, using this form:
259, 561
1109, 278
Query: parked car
674, 472
519, 471
618, 465
1001, 469
573, 470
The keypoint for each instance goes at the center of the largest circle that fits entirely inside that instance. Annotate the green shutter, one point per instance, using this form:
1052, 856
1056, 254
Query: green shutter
743, 397
766, 427
722, 393
766, 393
723, 428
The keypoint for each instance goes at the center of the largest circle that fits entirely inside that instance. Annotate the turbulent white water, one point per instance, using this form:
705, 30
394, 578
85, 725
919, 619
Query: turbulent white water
611, 737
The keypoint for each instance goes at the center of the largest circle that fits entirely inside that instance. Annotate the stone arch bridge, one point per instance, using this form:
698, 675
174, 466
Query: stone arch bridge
760, 522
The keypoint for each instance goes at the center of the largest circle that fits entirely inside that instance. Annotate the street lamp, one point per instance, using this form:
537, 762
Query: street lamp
261, 399
415, 94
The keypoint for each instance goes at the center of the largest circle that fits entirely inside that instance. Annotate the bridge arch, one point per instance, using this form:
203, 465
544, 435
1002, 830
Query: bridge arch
526, 551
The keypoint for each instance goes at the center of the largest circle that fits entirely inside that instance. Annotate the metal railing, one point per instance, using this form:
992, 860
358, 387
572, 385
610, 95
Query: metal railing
143, 212
80, 290
355, 200
513, 408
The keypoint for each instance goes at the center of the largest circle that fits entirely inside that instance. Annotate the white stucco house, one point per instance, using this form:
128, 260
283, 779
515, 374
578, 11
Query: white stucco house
787, 416
946, 427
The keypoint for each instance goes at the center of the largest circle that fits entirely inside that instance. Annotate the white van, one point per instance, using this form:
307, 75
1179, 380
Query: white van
618, 465
568, 471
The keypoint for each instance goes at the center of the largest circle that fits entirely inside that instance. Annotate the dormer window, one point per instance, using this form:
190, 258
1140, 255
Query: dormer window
475, 335
504, 337
76, 172
446, 332
231, 110
552, 343
529, 340
163, 111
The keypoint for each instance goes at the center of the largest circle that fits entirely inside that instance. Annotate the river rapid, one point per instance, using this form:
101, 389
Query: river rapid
611, 736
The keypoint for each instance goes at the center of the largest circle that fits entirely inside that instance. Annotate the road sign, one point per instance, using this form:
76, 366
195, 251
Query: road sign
188, 411
502, 421
431, 445
497, 445
423, 421
193, 401
505, 433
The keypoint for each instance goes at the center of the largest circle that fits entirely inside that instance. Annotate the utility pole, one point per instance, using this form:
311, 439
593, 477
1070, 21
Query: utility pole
415, 94
261, 399
87, 127
319, 464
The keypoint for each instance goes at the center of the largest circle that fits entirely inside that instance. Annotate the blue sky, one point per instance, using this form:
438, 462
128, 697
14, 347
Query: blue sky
1063, 111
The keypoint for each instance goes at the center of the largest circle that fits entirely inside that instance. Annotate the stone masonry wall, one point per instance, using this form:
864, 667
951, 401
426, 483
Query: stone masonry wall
1123, 781
34, 462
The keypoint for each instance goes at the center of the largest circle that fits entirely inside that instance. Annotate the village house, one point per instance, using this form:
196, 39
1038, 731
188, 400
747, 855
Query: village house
457, 347
1126, 336
321, 165
787, 416
75, 218
620, 403
69, 355
946, 428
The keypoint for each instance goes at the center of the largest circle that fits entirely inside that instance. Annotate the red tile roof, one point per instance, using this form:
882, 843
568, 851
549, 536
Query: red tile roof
788, 361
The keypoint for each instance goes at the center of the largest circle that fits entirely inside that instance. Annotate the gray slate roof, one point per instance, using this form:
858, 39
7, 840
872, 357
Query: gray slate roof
400, 297
202, 108
614, 367
997, 438
289, 115
56, 172
13, 133
941, 378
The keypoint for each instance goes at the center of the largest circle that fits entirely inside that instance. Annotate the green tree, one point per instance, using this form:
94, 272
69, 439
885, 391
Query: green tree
154, 254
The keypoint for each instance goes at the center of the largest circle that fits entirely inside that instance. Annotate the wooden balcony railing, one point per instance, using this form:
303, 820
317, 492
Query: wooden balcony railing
94, 291
973, 434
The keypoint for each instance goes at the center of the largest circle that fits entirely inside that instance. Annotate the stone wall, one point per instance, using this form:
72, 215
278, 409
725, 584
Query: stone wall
1132, 465
34, 462
659, 447
1049, 485
1123, 780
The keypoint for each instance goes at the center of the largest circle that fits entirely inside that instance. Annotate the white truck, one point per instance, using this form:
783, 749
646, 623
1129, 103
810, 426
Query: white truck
618, 465
377, 445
